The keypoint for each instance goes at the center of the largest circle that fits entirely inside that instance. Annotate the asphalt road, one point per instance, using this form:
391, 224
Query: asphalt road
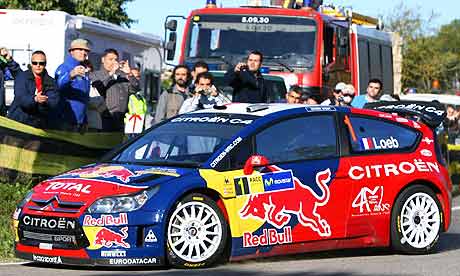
373, 262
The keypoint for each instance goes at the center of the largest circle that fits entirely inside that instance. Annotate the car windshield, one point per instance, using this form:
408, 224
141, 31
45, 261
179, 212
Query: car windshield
282, 39
187, 140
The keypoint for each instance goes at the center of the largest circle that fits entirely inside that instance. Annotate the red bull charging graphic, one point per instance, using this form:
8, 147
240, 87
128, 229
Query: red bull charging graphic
108, 238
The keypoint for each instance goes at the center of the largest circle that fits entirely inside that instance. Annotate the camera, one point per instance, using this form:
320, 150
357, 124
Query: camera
244, 67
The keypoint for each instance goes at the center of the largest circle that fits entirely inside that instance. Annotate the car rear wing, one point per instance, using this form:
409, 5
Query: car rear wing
431, 113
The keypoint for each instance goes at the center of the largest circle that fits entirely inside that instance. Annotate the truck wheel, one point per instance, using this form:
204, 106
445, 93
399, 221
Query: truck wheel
416, 221
196, 233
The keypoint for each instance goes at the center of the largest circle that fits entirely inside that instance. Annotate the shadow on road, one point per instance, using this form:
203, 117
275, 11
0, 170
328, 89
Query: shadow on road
449, 242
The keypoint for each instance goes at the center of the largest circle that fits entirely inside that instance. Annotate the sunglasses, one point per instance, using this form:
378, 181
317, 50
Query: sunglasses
42, 63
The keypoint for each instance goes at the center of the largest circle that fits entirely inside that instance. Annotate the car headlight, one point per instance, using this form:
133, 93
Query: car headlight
121, 204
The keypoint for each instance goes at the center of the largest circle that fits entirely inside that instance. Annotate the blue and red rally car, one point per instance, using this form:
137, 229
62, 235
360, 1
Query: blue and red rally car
244, 181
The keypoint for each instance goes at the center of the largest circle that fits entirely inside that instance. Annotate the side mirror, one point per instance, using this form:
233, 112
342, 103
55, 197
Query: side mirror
254, 161
171, 25
170, 46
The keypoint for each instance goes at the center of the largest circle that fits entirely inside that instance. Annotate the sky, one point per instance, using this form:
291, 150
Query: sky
151, 15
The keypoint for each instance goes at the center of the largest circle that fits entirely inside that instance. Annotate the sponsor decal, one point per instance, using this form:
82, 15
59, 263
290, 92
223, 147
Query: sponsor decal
68, 187
108, 238
16, 213
151, 237
376, 144
405, 167
416, 107
64, 238
427, 140
104, 171
416, 125
106, 220
46, 259
426, 153
113, 253
162, 171
213, 119
277, 207
266, 182
386, 116
370, 202
50, 223
268, 237
319, 108
225, 151
133, 261
49, 237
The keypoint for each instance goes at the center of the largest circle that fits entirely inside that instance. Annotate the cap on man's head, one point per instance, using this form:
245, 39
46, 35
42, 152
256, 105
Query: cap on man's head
340, 86
79, 43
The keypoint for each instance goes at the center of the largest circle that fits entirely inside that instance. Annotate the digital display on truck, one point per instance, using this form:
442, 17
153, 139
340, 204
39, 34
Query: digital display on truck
280, 38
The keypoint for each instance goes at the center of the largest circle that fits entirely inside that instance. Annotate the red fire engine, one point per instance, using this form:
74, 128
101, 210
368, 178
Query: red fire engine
309, 45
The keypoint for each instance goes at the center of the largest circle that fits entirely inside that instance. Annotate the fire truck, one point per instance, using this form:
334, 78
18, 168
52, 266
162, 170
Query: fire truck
308, 44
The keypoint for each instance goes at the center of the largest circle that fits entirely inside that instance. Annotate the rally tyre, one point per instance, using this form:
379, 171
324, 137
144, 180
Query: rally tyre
416, 221
196, 233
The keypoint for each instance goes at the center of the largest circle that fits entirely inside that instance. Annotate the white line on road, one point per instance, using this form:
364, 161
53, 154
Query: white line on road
16, 263
456, 208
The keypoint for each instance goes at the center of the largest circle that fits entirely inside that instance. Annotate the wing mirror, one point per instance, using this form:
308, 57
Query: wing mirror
254, 161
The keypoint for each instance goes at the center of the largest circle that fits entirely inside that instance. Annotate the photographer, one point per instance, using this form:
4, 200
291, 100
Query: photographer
246, 80
34, 94
114, 82
6, 63
205, 96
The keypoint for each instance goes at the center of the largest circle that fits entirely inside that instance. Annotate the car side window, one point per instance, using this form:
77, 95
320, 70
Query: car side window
310, 137
379, 135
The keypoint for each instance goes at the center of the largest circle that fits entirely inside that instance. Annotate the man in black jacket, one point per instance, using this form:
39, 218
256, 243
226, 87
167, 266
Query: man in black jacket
34, 94
247, 82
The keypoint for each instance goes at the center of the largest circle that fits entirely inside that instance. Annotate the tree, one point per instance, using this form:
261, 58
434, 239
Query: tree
107, 10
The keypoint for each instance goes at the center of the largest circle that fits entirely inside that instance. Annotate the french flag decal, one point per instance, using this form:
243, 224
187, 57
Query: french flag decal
367, 143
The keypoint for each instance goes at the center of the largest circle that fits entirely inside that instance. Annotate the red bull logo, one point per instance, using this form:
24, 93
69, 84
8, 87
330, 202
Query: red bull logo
277, 207
105, 171
268, 237
108, 238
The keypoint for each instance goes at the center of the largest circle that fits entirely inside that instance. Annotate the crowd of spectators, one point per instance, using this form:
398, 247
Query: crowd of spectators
77, 98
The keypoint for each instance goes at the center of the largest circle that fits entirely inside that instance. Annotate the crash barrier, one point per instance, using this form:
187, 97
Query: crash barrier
26, 151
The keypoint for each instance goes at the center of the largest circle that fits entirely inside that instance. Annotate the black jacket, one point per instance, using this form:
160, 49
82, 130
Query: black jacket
24, 108
14, 69
247, 87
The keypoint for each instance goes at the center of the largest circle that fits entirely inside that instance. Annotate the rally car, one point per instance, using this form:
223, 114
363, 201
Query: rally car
243, 181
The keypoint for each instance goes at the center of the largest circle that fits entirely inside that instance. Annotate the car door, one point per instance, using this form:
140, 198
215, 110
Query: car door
299, 194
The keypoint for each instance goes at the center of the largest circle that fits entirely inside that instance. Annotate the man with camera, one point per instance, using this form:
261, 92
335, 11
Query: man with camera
6, 64
114, 82
34, 94
246, 80
205, 95
73, 86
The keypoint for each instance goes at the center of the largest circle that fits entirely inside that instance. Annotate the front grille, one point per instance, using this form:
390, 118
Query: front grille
62, 233
54, 204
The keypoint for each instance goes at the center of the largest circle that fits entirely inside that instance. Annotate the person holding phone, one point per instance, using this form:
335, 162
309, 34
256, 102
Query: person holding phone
246, 80
34, 94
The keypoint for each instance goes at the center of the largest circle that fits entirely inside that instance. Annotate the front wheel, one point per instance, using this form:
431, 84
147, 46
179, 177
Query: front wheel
196, 233
416, 220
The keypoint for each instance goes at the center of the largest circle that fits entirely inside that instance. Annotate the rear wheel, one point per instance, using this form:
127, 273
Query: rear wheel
416, 220
196, 233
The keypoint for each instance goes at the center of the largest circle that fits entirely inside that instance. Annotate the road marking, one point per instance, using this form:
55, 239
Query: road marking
456, 208
16, 263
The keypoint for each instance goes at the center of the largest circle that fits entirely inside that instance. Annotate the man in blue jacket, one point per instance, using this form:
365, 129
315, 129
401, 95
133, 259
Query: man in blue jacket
34, 94
73, 85
7, 64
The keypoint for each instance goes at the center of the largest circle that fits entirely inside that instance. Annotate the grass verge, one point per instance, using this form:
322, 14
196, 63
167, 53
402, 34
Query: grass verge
10, 195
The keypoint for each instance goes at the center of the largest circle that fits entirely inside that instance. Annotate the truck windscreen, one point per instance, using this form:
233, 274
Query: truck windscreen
284, 39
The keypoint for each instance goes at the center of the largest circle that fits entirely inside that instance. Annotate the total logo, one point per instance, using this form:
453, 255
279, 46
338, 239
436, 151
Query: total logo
268, 237
376, 144
69, 187
370, 201
277, 207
